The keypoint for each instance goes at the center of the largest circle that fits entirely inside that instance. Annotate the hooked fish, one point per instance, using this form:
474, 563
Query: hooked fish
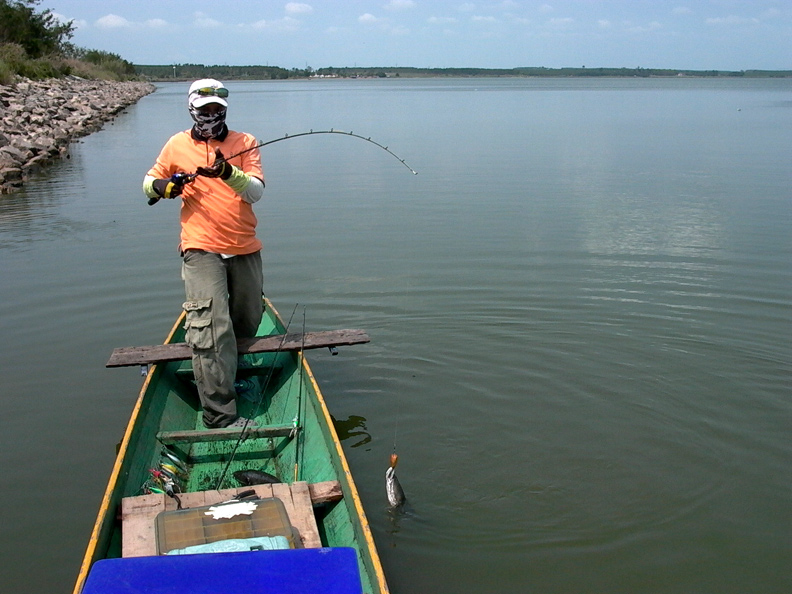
392, 487
255, 477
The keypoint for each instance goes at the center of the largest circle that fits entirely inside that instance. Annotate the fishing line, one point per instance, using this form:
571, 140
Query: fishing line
242, 435
395, 433
298, 417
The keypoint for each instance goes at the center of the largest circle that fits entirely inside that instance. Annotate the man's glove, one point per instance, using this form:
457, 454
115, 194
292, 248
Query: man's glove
221, 167
169, 187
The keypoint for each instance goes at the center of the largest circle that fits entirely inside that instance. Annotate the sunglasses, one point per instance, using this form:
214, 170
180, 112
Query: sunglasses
212, 92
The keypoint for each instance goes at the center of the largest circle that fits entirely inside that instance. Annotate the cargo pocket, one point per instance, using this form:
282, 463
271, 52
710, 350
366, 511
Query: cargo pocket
198, 329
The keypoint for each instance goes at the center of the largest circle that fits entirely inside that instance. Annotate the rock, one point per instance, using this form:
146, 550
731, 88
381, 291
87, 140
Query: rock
7, 161
16, 154
11, 173
41, 118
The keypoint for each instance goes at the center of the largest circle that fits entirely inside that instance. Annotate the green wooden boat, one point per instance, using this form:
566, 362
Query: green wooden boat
166, 448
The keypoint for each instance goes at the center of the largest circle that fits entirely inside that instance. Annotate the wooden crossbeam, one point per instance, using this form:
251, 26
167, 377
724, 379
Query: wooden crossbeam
203, 435
180, 351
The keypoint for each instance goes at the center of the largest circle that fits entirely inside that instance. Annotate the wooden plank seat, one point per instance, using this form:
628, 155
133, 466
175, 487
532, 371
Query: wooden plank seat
138, 514
206, 435
181, 351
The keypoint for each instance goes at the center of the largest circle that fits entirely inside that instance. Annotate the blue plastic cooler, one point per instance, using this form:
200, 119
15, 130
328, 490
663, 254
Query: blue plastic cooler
295, 571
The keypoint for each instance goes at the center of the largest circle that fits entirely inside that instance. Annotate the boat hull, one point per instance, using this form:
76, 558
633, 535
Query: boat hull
279, 390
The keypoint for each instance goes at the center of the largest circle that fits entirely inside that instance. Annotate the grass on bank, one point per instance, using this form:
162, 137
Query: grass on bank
90, 64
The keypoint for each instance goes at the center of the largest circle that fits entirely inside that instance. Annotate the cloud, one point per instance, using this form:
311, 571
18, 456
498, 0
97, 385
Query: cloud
653, 26
112, 21
298, 8
731, 20
400, 4
76, 23
604, 23
286, 24
368, 19
60, 18
201, 20
483, 19
156, 23
441, 20
561, 22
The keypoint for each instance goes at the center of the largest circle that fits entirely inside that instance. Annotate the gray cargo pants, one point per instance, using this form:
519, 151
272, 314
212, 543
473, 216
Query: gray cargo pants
223, 304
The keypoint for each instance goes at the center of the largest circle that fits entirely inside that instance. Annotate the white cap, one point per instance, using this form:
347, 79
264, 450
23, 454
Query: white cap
196, 100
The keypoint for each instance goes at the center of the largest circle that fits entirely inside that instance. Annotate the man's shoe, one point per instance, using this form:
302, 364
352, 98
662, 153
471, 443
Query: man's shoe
242, 423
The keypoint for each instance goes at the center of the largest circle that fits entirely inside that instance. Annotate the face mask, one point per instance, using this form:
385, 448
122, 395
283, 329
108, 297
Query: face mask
208, 125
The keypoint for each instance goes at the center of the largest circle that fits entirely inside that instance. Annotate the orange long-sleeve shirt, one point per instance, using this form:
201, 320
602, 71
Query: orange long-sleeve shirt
213, 216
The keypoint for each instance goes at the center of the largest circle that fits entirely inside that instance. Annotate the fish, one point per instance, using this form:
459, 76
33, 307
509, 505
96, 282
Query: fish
255, 477
174, 459
394, 490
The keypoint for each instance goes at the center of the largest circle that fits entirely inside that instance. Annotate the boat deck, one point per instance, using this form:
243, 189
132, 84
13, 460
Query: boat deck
138, 514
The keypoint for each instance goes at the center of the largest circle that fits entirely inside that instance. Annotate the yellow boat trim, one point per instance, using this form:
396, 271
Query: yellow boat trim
90, 553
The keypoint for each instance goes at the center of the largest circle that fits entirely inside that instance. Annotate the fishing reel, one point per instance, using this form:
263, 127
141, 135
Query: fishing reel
177, 179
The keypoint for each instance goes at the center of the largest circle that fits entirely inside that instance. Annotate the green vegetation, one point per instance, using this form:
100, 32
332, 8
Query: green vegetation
35, 44
380, 72
195, 71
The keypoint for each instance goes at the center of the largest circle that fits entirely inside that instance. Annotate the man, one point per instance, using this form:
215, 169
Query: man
221, 265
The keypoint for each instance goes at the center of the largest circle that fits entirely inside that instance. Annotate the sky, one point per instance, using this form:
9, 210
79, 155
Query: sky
682, 34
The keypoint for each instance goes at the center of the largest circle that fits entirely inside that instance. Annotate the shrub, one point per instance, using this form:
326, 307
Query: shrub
16, 60
6, 74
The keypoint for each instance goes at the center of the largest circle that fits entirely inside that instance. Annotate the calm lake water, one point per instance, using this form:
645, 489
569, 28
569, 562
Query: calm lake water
580, 312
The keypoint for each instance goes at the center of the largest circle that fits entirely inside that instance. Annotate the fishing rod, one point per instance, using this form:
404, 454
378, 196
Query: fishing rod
186, 178
330, 131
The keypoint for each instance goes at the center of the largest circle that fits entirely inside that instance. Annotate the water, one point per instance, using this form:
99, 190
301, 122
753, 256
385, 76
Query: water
579, 311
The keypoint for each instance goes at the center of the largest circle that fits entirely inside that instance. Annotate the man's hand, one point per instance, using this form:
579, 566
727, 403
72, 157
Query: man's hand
168, 187
221, 167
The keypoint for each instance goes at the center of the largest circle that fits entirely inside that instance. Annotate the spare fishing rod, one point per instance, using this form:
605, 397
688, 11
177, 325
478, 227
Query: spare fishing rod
242, 434
186, 178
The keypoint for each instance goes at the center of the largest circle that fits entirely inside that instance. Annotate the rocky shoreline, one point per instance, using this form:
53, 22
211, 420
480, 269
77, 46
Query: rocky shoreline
39, 119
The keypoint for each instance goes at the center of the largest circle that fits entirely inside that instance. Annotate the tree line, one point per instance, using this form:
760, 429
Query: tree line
165, 72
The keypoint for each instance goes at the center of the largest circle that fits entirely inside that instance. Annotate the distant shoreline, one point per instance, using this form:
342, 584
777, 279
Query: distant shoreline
173, 72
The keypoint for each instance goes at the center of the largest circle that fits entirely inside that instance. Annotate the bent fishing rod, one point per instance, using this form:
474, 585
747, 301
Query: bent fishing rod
186, 178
